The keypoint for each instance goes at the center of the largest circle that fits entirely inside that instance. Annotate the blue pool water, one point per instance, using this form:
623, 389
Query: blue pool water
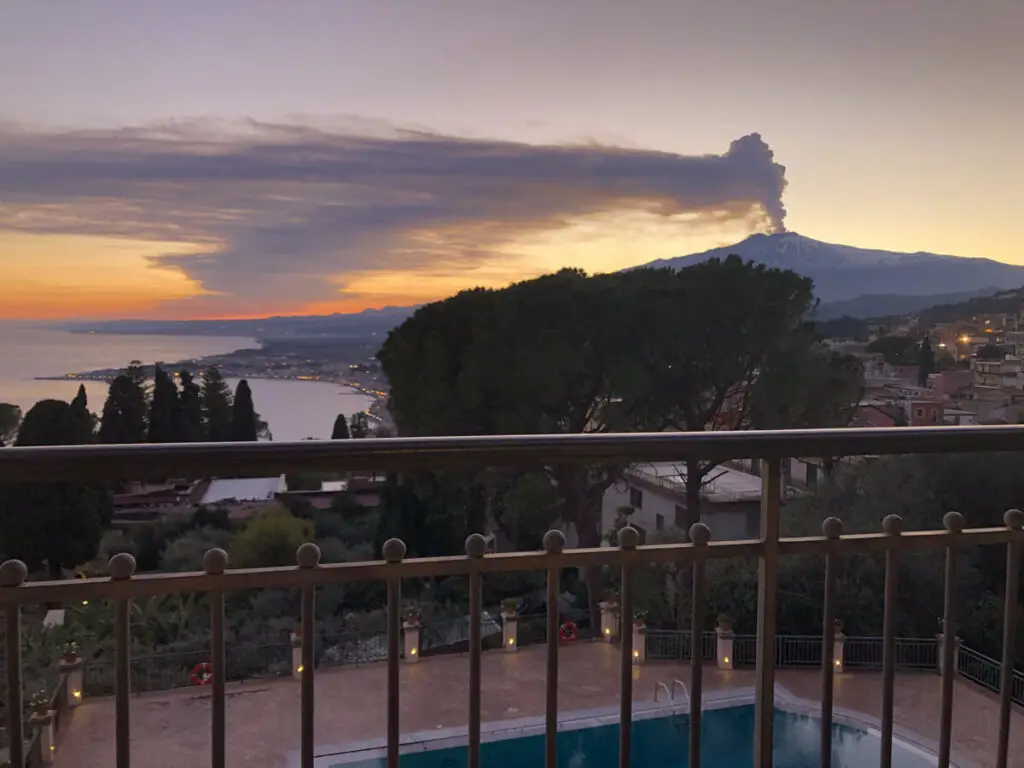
727, 741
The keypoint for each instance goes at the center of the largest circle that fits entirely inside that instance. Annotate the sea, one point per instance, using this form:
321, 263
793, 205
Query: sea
294, 410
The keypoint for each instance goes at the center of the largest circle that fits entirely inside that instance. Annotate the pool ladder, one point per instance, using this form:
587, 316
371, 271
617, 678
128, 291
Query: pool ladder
670, 691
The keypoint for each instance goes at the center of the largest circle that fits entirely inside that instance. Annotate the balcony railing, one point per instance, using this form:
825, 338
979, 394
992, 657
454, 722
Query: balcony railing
123, 585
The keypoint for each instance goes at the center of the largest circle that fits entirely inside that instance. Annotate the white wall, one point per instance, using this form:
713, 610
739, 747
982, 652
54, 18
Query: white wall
728, 522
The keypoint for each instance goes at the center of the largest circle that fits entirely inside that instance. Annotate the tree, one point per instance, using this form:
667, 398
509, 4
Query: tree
164, 409
190, 411
270, 539
124, 412
895, 350
85, 419
58, 525
360, 425
10, 420
243, 415
925, 362
340, 431
216, 406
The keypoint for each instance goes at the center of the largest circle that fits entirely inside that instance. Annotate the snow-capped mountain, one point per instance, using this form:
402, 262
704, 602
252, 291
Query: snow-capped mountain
841, 272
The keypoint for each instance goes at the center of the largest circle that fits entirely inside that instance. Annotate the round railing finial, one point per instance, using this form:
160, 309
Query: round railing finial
393, 550
554, 542
1014, 519
308, 555
892, 525
832, 527
215, 561
121, 566
629, 537
13, 573
476, 546
954, 522
700, 534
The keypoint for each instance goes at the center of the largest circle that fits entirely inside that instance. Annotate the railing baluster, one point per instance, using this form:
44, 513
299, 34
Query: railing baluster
121, 568
893, 526
393, 552
954, 523
215, 561
832, 527
700, 535
628, 540
308, 557
1014, 520
554, 543
476, 546
767, 585
13, 574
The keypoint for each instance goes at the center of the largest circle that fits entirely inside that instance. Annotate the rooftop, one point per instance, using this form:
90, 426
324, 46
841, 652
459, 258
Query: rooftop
244, 489
723, 483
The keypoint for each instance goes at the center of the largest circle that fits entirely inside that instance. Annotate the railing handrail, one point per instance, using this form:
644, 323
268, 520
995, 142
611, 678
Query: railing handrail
251, 458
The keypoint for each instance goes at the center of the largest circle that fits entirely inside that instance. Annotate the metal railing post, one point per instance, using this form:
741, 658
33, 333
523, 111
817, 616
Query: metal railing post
12, 575
393, 552
554, 543
893, 526
476, 547
832, 528
954, 524
767, 594
215, 562
700, 535
629, 537
122, 567
1014, 520
307, 557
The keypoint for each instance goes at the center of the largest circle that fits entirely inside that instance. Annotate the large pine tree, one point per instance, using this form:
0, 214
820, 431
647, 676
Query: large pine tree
58, 525
189, 428
243, 415
216, 407
164, 409
124, 412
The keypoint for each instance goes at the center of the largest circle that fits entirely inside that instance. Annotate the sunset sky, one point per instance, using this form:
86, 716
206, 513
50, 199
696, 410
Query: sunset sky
222, 158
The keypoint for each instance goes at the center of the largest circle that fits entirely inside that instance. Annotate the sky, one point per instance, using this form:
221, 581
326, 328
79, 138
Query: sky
238, 158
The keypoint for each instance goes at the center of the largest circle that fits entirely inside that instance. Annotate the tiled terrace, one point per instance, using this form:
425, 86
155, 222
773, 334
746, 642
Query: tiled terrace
172, 729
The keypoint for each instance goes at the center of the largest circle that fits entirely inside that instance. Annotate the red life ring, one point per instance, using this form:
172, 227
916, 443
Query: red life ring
568, 632
202, 673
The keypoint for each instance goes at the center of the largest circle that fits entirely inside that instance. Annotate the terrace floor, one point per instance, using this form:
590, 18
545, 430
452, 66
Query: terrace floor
172, 729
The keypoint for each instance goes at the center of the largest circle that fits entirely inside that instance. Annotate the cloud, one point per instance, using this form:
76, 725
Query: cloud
293, 211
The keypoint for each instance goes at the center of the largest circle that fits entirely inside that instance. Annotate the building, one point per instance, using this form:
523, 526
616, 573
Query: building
244, 490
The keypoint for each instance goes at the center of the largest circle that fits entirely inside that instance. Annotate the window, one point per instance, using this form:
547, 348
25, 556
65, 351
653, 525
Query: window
812, 475
636, 498
659, 522
919, 412
680, 516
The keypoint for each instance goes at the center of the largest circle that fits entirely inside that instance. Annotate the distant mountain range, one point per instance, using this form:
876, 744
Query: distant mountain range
862, 282
853, 282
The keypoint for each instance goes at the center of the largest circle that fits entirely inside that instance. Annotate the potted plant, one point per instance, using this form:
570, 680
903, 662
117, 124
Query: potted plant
70, 652
412, 615
39, 702
639, 619
509, 605
838, 626
724, 623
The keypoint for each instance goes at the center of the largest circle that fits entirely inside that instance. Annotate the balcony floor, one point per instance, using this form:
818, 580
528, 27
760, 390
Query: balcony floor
172, 729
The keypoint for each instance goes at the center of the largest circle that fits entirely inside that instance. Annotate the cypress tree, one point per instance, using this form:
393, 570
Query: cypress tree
190, 411
215, 399
84, 419
163, 409
340, 431
925, 363
243, 414
124, 412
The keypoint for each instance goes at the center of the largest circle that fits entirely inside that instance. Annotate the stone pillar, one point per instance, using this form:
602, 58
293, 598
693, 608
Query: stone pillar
412, 640
71, 670
43, 723
296, 656
609, 620
509, 631
639, 642
724, 639
839, 653
956, 654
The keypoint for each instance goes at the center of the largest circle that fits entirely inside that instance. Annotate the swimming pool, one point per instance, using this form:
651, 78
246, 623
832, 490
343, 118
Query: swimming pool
727, 741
